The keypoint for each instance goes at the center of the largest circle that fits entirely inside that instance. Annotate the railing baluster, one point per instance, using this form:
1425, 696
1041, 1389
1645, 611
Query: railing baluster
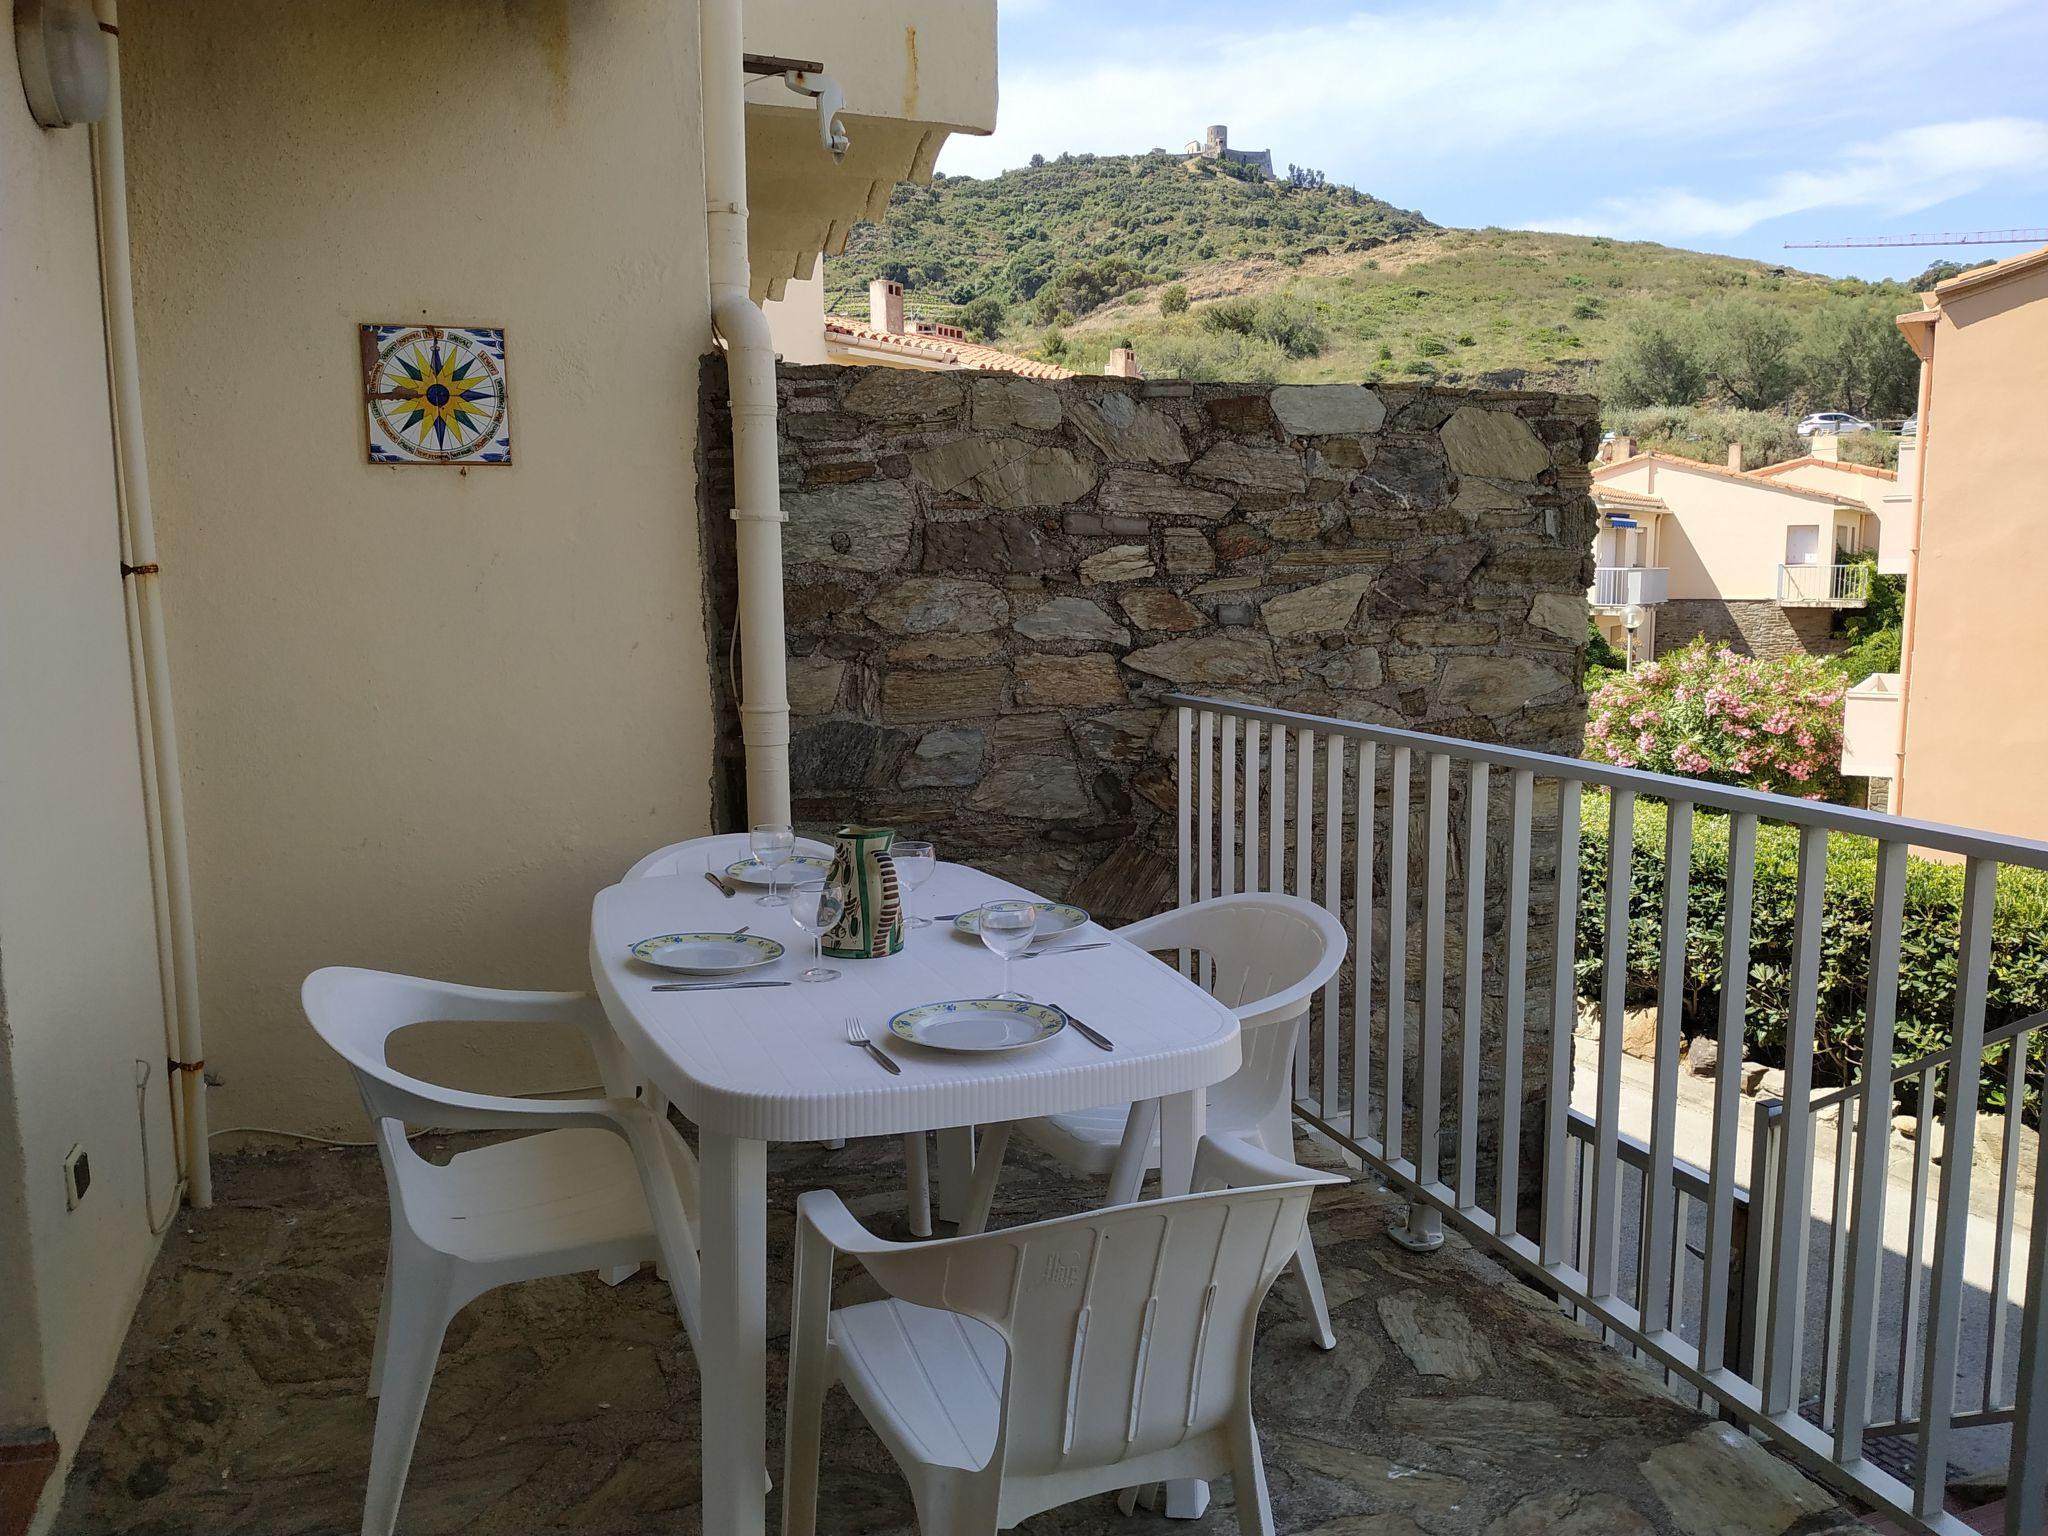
1952, 1214
1226, 885
1276, 820
1361, 945
1436, 859
1563, 992
1397, 950
1473, 1002
1333, 902
1621, 843
1514, 1002
2027, 1467
2008, 1193
1186, 781
1838, 1243
1794, 1196
1252, 731
1660, 1197
1205, 831
1727, 1092
1304, 884
1916, 1244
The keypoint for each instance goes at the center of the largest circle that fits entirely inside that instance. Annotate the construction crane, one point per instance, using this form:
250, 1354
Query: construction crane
1964, 237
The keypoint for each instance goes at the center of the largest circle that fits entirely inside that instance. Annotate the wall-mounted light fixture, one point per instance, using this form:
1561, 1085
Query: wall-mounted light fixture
64, 65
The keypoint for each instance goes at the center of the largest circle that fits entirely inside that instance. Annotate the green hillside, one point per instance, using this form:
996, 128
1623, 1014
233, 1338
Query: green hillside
1211, 276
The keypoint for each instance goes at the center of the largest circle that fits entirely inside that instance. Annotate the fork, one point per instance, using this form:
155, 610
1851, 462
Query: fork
857, 1034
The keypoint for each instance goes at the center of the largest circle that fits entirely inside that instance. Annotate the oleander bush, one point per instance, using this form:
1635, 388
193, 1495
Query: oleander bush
1929, 946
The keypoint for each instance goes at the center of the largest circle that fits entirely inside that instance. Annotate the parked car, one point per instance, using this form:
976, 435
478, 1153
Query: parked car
1837, 422
1910, 427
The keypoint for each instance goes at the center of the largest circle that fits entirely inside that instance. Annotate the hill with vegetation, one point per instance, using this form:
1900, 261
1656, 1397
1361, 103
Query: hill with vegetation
1212, 273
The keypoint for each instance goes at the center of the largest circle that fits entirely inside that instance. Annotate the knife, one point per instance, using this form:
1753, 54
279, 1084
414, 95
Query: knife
712, 986
1067, 949
724, 889
1090, 1033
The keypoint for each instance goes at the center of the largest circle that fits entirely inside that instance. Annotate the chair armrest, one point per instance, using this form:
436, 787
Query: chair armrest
1225, 1162
822, 1212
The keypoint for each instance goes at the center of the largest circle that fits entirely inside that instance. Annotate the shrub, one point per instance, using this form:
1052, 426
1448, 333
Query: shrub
1696, 433
1927, 973
1216, 357
983, 317
1711, 714
1173, 299
1289, 323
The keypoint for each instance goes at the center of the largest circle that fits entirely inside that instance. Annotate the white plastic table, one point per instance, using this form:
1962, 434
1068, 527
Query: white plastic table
772, 1064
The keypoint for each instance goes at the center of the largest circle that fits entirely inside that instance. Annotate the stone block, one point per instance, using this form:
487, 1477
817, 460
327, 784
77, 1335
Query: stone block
1356, 669
1313, 410
1240, 413
1407, 474
1003, 400
1430, 633
1033, 788
924, 604
1003, 545
1121, 562
1188, 552
1118, 735
1562, 613
1240, 541
1156, 608
949, 755
1035, 731
862, 526
1496, 685
941, 648
1216, 660
1247, 466
1703, 1056
1073, 619
1124, 429
1106, 525
1316, 610
814, 684
967, 694
844, 754
1148, 494
1069, 682
1007, 473
1493, 444
904, 395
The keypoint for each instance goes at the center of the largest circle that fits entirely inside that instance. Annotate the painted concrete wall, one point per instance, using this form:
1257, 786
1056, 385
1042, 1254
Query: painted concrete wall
797, 319
80, 1003
1881, 491
426, 714
1725, 537
1976, 728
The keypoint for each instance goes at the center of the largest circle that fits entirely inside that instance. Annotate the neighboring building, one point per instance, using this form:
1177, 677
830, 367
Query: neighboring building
1961, 732
1756, 560
1214, 144
888, 338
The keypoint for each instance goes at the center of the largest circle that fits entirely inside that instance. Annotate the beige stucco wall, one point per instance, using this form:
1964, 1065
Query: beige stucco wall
1976, 724
1723, 537
797, 319
426, 714
1886, 498
79, 998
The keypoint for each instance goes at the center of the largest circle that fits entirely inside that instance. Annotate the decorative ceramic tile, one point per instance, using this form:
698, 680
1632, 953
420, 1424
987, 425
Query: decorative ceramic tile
435, 394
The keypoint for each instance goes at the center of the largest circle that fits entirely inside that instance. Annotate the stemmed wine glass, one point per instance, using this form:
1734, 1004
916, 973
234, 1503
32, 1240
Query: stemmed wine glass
772, 843
814, 906
1006, 928
914, 862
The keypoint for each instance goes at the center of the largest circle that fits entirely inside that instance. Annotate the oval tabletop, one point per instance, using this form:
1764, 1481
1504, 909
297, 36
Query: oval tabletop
773, 1063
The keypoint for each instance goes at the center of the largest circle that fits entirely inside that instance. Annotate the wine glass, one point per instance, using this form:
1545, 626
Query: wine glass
914, 863
814, 906
772, 843
1006, 928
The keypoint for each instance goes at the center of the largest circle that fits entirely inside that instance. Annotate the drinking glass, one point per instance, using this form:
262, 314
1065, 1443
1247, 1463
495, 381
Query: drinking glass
771, 843
814, 906
1006, 928
914, 863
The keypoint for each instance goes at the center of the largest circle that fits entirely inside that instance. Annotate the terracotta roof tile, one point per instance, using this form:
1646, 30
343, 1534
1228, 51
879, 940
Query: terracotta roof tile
1741, 476
1767, 471
944, 350
1614, 496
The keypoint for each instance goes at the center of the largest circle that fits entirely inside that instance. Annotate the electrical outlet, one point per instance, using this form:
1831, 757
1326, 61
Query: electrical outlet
77, 1177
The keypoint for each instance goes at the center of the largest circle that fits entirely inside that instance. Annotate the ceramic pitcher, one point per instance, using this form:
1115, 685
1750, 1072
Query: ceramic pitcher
872, 923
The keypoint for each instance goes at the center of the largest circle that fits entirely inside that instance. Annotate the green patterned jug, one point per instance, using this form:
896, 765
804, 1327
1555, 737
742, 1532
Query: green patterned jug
872, 922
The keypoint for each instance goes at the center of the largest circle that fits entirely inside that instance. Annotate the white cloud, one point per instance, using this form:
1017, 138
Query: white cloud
1383, 96
1898, 174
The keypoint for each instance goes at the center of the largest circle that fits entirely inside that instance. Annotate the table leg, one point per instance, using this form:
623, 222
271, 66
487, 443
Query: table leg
733, 1355
1183, 1117
956, 1171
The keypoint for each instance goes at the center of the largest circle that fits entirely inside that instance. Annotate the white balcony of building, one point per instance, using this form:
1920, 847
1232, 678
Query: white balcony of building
1624, 586
1824, 586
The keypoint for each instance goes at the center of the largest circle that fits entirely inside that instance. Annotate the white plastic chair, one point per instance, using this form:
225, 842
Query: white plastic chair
722, 850
606, 1185
1266, 956
1014, 1371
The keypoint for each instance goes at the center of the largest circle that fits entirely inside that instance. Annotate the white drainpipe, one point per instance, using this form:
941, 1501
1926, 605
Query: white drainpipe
750, 369
163, 800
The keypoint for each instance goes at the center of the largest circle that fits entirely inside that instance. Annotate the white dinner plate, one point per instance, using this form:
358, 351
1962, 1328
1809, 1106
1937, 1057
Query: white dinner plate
978, 1024
748, 872
1055, 919
707, 954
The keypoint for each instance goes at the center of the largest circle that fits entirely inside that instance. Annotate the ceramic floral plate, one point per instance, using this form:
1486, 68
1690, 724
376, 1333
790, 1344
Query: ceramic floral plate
707, 954
750, 871
978, 1024
1055, 918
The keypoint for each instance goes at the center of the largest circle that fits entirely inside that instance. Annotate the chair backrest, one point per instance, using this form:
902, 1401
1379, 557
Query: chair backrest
1129, 1329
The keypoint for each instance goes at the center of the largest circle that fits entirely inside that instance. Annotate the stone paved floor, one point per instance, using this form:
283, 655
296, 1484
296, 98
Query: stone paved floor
1457, 1402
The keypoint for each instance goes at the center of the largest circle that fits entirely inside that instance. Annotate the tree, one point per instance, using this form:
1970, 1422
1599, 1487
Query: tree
1173, 299
1037, 161
1660, 361
1751, 351
982, 318
1303, 179
1854, 359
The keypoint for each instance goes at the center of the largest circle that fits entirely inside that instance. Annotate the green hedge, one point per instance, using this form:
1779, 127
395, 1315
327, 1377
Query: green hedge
1927, 978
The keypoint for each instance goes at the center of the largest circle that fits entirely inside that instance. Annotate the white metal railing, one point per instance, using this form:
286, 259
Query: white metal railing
1620, 586
1825, 585
1474, 849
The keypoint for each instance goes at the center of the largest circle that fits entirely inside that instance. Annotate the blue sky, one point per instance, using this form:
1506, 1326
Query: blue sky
1731, 126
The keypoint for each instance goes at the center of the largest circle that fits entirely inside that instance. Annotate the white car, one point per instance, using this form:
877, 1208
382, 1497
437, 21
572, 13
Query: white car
1837, 422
